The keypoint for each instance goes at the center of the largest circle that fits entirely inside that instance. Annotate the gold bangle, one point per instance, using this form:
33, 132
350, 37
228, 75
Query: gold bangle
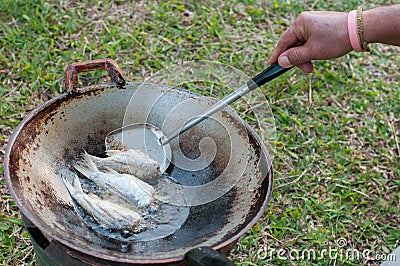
360, 30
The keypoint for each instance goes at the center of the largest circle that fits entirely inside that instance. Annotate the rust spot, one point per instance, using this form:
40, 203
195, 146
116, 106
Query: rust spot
52, 200
36, 147
237, 123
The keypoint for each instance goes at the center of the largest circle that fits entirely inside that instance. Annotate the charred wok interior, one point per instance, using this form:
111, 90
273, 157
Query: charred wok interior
53, 136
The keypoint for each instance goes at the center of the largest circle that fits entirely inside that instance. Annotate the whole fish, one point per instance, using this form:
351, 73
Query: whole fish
108, 214
133, 162
124, 186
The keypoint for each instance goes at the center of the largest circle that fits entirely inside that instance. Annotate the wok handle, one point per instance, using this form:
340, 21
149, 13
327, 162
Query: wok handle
71, 74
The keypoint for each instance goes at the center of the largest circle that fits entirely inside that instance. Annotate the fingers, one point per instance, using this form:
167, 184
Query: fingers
296, 56
290, 51
287, 40
299, 56
293, 50
306, 67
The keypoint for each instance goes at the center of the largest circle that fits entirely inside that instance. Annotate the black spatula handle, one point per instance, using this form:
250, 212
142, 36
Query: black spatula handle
268, 74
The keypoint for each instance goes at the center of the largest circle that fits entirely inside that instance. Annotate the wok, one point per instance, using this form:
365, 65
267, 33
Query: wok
52, 136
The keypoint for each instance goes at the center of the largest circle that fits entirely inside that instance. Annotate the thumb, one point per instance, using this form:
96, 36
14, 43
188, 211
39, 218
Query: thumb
295, 56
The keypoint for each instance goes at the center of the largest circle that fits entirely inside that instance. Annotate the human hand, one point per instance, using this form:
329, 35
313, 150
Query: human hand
316, 35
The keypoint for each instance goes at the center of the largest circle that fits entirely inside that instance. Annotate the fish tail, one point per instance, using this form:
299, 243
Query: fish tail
68, 185
98, 162
87, 166
83, 168
75, 187
88, 158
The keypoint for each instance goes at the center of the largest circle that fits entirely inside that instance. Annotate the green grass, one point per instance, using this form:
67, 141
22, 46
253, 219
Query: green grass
338, 129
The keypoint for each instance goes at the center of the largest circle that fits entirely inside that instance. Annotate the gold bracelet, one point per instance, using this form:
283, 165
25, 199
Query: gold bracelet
360, 30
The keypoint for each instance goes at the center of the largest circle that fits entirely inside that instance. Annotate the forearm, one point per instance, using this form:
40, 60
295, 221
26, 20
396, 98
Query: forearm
382, 25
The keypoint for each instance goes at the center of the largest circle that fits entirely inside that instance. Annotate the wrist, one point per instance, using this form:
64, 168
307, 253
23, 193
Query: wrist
368, 34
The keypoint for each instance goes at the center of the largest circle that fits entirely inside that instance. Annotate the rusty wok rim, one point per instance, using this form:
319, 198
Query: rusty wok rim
54, 236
